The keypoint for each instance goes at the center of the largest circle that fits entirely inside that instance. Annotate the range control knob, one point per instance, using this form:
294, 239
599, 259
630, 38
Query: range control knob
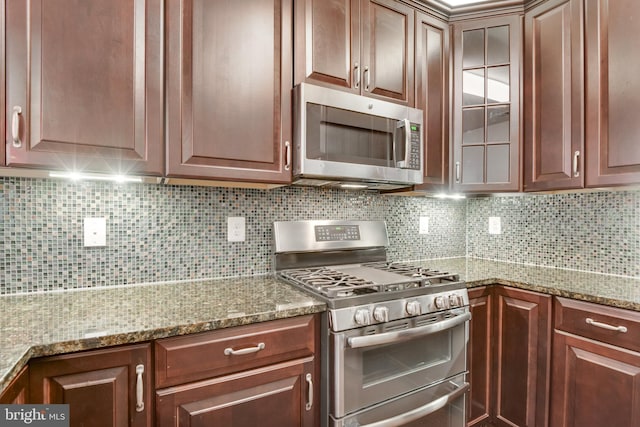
381, 314
362, 317
441, 302
413, 308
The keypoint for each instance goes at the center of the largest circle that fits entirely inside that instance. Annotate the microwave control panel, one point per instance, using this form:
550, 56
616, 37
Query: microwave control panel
415, 153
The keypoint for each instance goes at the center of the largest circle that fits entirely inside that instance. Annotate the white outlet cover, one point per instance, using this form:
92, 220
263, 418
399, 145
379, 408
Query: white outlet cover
95, 232
495, 226
236, 229
424, 225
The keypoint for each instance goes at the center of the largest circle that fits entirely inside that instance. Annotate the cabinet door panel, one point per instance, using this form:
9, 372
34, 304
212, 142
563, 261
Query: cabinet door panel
99, 386
523, 336
479, 356
327, 42
271, 396
387, 50
594, 384
612, 125
17, 392
229, 89
553, 96
87, 76
432, 94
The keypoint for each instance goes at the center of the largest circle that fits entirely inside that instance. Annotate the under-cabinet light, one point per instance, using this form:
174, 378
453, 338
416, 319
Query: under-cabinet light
450, 196
353, 186
75, 176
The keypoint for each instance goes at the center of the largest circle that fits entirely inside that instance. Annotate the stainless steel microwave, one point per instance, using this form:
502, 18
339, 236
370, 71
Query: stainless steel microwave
348, 140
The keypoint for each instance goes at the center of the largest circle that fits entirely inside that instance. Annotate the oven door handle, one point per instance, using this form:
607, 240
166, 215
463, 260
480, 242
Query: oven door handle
423, 411
407, 334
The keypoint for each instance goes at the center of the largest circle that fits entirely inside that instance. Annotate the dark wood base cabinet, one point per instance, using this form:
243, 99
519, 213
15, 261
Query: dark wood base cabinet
509, 357
596, 366
18, 391
275, 396
99, 386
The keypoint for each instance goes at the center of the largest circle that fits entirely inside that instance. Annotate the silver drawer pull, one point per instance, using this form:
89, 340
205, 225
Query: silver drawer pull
309, 392
139, 388
231, 352
15, 126
592, 322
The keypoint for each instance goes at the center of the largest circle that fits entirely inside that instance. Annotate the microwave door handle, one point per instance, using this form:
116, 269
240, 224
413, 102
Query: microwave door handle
407, 334
406, 124
422, 411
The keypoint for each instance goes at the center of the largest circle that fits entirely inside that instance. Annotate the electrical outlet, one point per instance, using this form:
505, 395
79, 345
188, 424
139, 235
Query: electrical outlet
424, 225
95, 232
235, 229
495, 226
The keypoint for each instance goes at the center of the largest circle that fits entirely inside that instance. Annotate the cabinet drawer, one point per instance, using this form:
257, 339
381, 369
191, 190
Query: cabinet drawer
209, 354
592, 321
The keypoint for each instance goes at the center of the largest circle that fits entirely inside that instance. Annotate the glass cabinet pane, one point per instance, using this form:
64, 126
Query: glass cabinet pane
498, 45
498, 123
498, 87
473, 125
473, 87
473, 48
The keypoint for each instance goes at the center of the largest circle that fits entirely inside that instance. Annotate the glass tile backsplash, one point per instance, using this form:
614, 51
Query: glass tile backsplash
163, 233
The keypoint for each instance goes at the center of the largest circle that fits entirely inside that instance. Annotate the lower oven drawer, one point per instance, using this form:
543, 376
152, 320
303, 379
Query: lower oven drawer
441, 405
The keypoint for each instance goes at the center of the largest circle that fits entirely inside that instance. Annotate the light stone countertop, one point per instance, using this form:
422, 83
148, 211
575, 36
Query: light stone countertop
34, 325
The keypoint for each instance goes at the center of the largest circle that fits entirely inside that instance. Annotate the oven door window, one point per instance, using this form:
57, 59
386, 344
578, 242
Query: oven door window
338, 135
368, 375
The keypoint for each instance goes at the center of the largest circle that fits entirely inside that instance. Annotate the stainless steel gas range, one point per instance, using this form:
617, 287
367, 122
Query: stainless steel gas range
395, 335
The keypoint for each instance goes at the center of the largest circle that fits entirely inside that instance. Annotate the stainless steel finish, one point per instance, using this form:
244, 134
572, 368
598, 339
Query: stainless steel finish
15, 126
309, 380
367, 75
287, 155
421, 412
458, 172
592, 322
231, 352
356, 73
407, 145
308, 170
407, 334
299, 236
576, 157
139, 388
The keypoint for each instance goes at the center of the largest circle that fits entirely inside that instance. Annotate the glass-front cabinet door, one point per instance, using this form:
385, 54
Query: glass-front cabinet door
486, 124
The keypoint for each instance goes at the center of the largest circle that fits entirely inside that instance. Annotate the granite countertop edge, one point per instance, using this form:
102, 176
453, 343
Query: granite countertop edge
475, 272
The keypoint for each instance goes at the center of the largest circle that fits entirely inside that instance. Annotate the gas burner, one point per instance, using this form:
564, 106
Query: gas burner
331, 283
408, 270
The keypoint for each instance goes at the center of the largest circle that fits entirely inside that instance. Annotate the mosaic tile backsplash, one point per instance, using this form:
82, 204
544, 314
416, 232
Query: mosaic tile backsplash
164, 233
597, 232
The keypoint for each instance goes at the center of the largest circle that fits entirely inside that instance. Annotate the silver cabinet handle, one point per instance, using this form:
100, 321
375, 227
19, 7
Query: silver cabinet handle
458, 172
407, 334
231, 352
592, 322
15, 126
287, 155
367, 78
576, 157
356, 74
139, 389
423, 411
309, 392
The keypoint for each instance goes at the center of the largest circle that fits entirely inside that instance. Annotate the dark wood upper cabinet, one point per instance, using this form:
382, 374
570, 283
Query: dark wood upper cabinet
229, 80
486, 104
362, 46
99, 386
612, 127
553, 92
432, 96
84, 87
